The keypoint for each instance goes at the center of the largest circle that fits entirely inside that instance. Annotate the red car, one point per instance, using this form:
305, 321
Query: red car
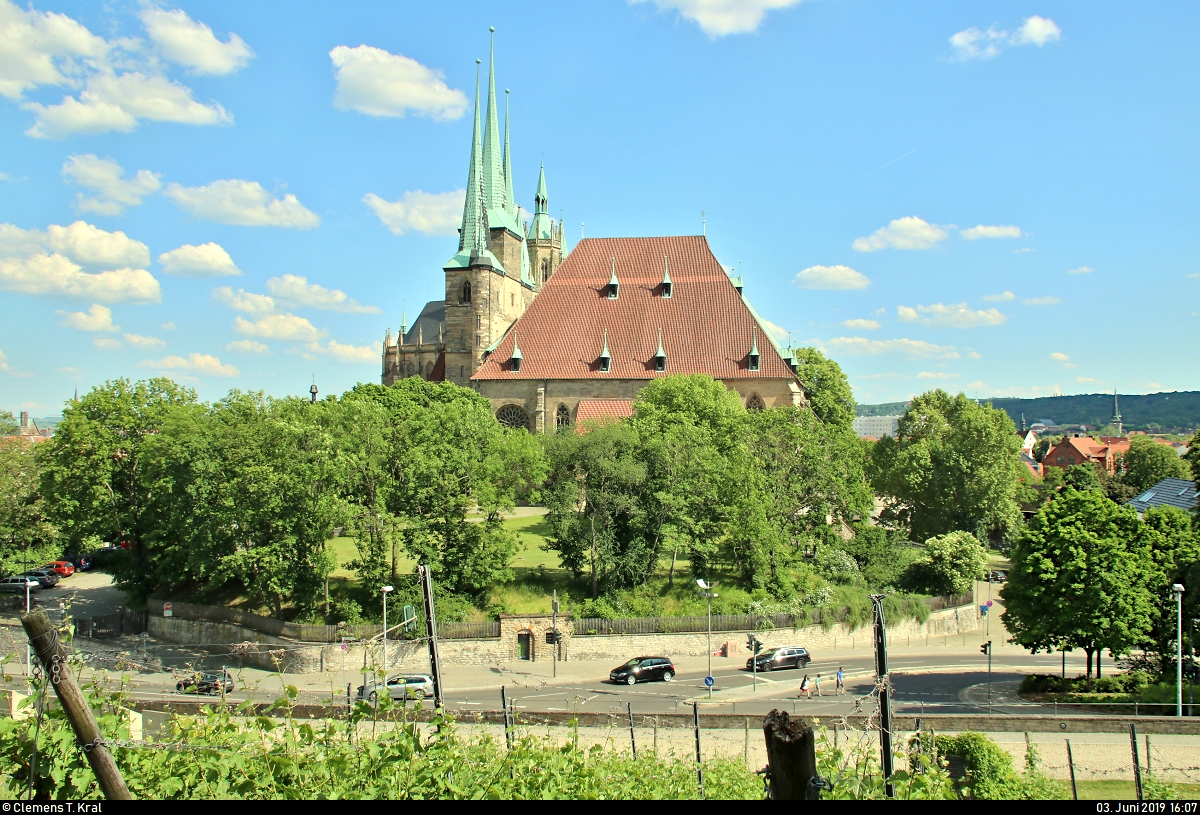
62, 567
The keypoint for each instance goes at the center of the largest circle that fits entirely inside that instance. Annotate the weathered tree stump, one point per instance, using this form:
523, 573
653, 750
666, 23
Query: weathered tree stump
792, 757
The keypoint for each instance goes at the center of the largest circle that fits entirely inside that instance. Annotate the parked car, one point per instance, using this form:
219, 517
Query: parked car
206, 683
82, 563
643, 669
998, 577
788, 656
19, 583
47, 577
64, 568
401, 686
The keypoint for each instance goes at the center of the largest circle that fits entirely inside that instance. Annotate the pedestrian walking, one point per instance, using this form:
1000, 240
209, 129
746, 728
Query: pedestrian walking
817, 685
804, 689
841, 682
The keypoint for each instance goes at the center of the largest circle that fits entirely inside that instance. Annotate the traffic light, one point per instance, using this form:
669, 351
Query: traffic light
986, 648
553, 637
753, 644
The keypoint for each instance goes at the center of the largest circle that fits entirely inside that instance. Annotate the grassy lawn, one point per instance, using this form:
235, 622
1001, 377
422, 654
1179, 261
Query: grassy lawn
1124, 790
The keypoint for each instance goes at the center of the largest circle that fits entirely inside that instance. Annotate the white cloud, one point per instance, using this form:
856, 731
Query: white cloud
1023, 250
1085, 379
1059, 356
113, 101
981, 231
1002, 297
909, 232
1041, 301
779, 333
859, 346
203, 364
66, 369
186, 42
205, 260
973, 43
831, 277
247, 347
297, 291
377, 83
107, 344
279, 327
717, 18
55, 274
91, 246
1194, 274
956, 315
96, 318
974, 355
168, 326
346, 353
861, 325
138, 341
1081, 270
242, 203
42, 48
1037, 31
429, 213
244, 301
936, 375
103, 176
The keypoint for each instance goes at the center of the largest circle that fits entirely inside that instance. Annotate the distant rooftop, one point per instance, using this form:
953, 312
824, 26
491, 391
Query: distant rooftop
1172, 492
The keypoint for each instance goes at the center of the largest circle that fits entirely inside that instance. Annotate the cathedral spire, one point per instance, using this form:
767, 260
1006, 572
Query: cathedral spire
541, 199
469, 236
493, 170
509, 198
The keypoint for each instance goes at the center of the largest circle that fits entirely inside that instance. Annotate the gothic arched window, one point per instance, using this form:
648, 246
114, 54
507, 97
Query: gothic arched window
562, 417
512, 416
409, 368
755, 403
466, 292
545, 269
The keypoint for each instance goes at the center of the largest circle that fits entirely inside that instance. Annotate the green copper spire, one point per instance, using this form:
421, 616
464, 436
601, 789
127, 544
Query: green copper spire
508, 176
542, 227
516, 352
754, 345
493, 170
666, 272
470, 237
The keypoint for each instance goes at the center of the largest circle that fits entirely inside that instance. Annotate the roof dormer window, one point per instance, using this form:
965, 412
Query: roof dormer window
666, 281
516, 358
614, 286
753, 358
660, 356
605, 357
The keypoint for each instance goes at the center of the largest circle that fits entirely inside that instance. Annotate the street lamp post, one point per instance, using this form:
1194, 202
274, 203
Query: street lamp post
709, 594
1178, 590
1192, 667
386, 591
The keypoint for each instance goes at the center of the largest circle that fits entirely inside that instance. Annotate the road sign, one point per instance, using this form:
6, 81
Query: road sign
167, 612
989, 603
709, 681
983, 609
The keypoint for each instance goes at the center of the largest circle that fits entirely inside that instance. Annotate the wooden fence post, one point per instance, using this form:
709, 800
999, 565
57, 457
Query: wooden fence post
791, 757
53, 657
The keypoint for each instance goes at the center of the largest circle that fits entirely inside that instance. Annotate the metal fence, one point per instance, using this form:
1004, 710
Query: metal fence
118, 624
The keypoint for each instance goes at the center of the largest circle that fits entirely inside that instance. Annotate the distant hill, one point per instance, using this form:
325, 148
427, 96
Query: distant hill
1162, 412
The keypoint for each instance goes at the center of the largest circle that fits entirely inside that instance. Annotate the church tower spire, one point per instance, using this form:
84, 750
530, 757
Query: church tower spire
493, 170
509, 198
1116, 417
471, 236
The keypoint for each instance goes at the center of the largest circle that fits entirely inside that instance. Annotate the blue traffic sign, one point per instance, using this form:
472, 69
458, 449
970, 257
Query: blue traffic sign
709, 681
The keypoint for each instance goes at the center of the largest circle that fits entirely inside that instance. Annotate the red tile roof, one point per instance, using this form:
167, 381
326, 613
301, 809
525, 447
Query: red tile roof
592, 409
706, 327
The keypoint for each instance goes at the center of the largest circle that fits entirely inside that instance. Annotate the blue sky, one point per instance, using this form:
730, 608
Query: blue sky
992, 197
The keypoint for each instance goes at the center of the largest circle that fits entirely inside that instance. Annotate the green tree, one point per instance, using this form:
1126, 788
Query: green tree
27, 538
592, 493
8, 424
1193, 455
952, 563
1079, 578
93, 480
1174, 543
1147, 462
954, 466
828, 390
1083, 477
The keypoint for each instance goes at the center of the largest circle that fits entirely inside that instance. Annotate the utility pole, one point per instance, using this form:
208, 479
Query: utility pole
709, 594
435, 663
885, 707
386, 591
1178, 589
554, 632
986, 648
44, 639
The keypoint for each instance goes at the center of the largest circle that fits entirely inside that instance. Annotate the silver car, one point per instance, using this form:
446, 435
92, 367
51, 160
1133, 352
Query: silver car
20, 584
399, 687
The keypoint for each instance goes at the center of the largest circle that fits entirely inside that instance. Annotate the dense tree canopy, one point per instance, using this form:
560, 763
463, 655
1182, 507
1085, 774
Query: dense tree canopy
1147, 462
828, 390
27, 538
1080, 577
953, 466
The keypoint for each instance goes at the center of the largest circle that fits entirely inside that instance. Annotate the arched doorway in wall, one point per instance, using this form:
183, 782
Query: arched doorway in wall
526, 643
513, 416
